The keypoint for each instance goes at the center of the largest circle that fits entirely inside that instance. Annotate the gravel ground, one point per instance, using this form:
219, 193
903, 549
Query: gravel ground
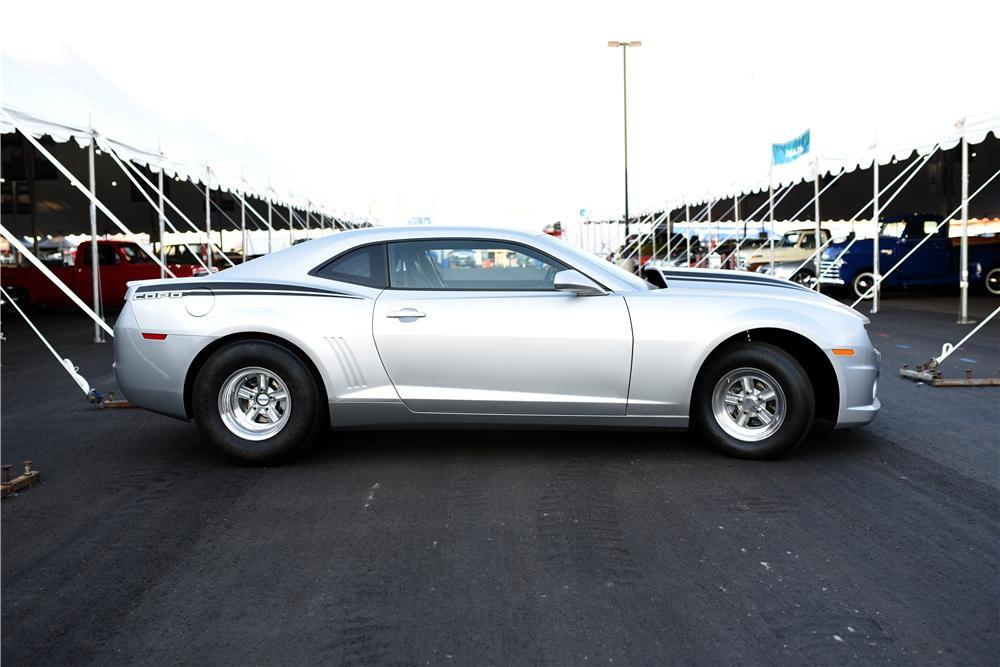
143, 545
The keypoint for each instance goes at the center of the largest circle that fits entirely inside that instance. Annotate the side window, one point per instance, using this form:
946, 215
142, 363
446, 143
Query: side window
465, 264
134, 254
105, 255
363, 266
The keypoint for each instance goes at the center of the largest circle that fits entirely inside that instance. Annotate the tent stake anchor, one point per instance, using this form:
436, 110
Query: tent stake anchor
25, 479
928, 372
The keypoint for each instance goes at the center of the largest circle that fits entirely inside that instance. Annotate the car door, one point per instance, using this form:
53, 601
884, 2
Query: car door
932, 259
107, 259
494, 336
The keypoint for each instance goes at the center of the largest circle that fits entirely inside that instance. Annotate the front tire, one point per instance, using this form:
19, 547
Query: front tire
257, 402
806, 278
753, 401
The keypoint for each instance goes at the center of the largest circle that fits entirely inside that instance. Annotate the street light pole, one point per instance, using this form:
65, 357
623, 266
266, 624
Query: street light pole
624, 47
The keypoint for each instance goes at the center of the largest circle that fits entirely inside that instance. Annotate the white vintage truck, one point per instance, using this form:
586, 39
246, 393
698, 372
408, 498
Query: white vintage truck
794, 245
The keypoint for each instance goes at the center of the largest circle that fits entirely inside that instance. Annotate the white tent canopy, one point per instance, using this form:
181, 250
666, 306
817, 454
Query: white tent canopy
71, 101
941, 135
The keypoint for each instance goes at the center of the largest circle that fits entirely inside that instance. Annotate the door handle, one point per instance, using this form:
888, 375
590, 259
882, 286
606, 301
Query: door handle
405, 312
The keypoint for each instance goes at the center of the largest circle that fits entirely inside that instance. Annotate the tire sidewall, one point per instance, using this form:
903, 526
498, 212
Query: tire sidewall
794, 382
303, 421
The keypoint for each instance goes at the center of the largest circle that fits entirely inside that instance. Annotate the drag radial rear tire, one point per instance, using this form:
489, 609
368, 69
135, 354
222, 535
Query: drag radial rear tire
753, 401
257, 401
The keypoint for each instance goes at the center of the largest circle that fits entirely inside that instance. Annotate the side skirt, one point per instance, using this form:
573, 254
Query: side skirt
394, 414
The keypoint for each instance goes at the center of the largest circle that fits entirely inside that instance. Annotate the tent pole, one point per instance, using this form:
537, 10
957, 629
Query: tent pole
770, 206
291, 227
670, 232
208, 222
655, 225
736, 215
963, 315
877, 231
95, 270
243, 230
687, 221
163, 244
711, 236
30, 169
270, 244
818, 231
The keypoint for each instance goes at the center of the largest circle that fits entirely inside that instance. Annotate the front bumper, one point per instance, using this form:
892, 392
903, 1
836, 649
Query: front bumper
859, 404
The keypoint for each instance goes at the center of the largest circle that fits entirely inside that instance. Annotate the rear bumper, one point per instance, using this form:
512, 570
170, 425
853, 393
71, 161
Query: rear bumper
151, 373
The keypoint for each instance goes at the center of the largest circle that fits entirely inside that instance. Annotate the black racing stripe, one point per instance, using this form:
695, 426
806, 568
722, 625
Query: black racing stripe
734, 275
729, 281
329, 295
229, 287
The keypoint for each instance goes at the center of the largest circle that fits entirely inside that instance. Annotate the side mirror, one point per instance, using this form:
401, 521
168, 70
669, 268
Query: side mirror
577, 283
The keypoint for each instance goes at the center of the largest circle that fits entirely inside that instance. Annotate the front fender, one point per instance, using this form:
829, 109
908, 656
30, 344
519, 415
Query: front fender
674, 336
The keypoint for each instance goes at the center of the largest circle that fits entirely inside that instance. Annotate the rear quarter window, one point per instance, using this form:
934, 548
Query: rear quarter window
361, 266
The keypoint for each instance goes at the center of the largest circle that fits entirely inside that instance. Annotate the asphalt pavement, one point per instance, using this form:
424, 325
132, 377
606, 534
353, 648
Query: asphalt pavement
143, 545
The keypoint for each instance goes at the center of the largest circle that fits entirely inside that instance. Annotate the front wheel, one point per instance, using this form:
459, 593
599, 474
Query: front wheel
257, 401
806, 278
753, 401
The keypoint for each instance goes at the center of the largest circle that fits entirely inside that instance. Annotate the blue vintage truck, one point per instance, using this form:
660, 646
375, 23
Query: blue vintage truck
935, 263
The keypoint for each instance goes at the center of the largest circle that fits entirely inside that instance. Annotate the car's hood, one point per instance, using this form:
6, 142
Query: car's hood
756, 286
834, 250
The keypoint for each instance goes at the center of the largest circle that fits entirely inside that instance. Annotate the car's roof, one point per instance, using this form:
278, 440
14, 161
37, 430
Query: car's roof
291, 260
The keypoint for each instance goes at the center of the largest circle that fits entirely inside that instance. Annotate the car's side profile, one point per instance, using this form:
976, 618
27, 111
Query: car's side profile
382, 328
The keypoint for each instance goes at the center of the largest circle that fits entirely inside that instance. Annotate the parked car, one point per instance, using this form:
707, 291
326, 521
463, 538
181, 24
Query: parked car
935, 263
119, 263
181, 254
462, 258
796, 244
365, 329
803, 273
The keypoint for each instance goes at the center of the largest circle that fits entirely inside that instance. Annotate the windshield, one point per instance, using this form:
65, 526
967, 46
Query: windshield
893, 229
789, 240
133, 255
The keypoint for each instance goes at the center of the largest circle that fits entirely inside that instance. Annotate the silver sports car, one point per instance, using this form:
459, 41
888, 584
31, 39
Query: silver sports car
380, 328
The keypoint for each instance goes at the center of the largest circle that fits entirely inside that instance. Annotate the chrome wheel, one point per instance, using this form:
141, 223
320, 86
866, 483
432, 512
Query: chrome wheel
254, 403
862, 283
749, 404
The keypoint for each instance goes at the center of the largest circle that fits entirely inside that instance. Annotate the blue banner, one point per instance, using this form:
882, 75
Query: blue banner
790, 150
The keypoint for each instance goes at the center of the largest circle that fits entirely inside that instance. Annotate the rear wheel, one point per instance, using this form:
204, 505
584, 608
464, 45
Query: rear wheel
863, 282
753, 401
992, 281
257, 402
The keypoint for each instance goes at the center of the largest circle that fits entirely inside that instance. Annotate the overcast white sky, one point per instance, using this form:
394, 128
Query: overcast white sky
509, 113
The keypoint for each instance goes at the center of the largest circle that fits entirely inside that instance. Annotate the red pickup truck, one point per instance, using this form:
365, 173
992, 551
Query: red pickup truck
119, 261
